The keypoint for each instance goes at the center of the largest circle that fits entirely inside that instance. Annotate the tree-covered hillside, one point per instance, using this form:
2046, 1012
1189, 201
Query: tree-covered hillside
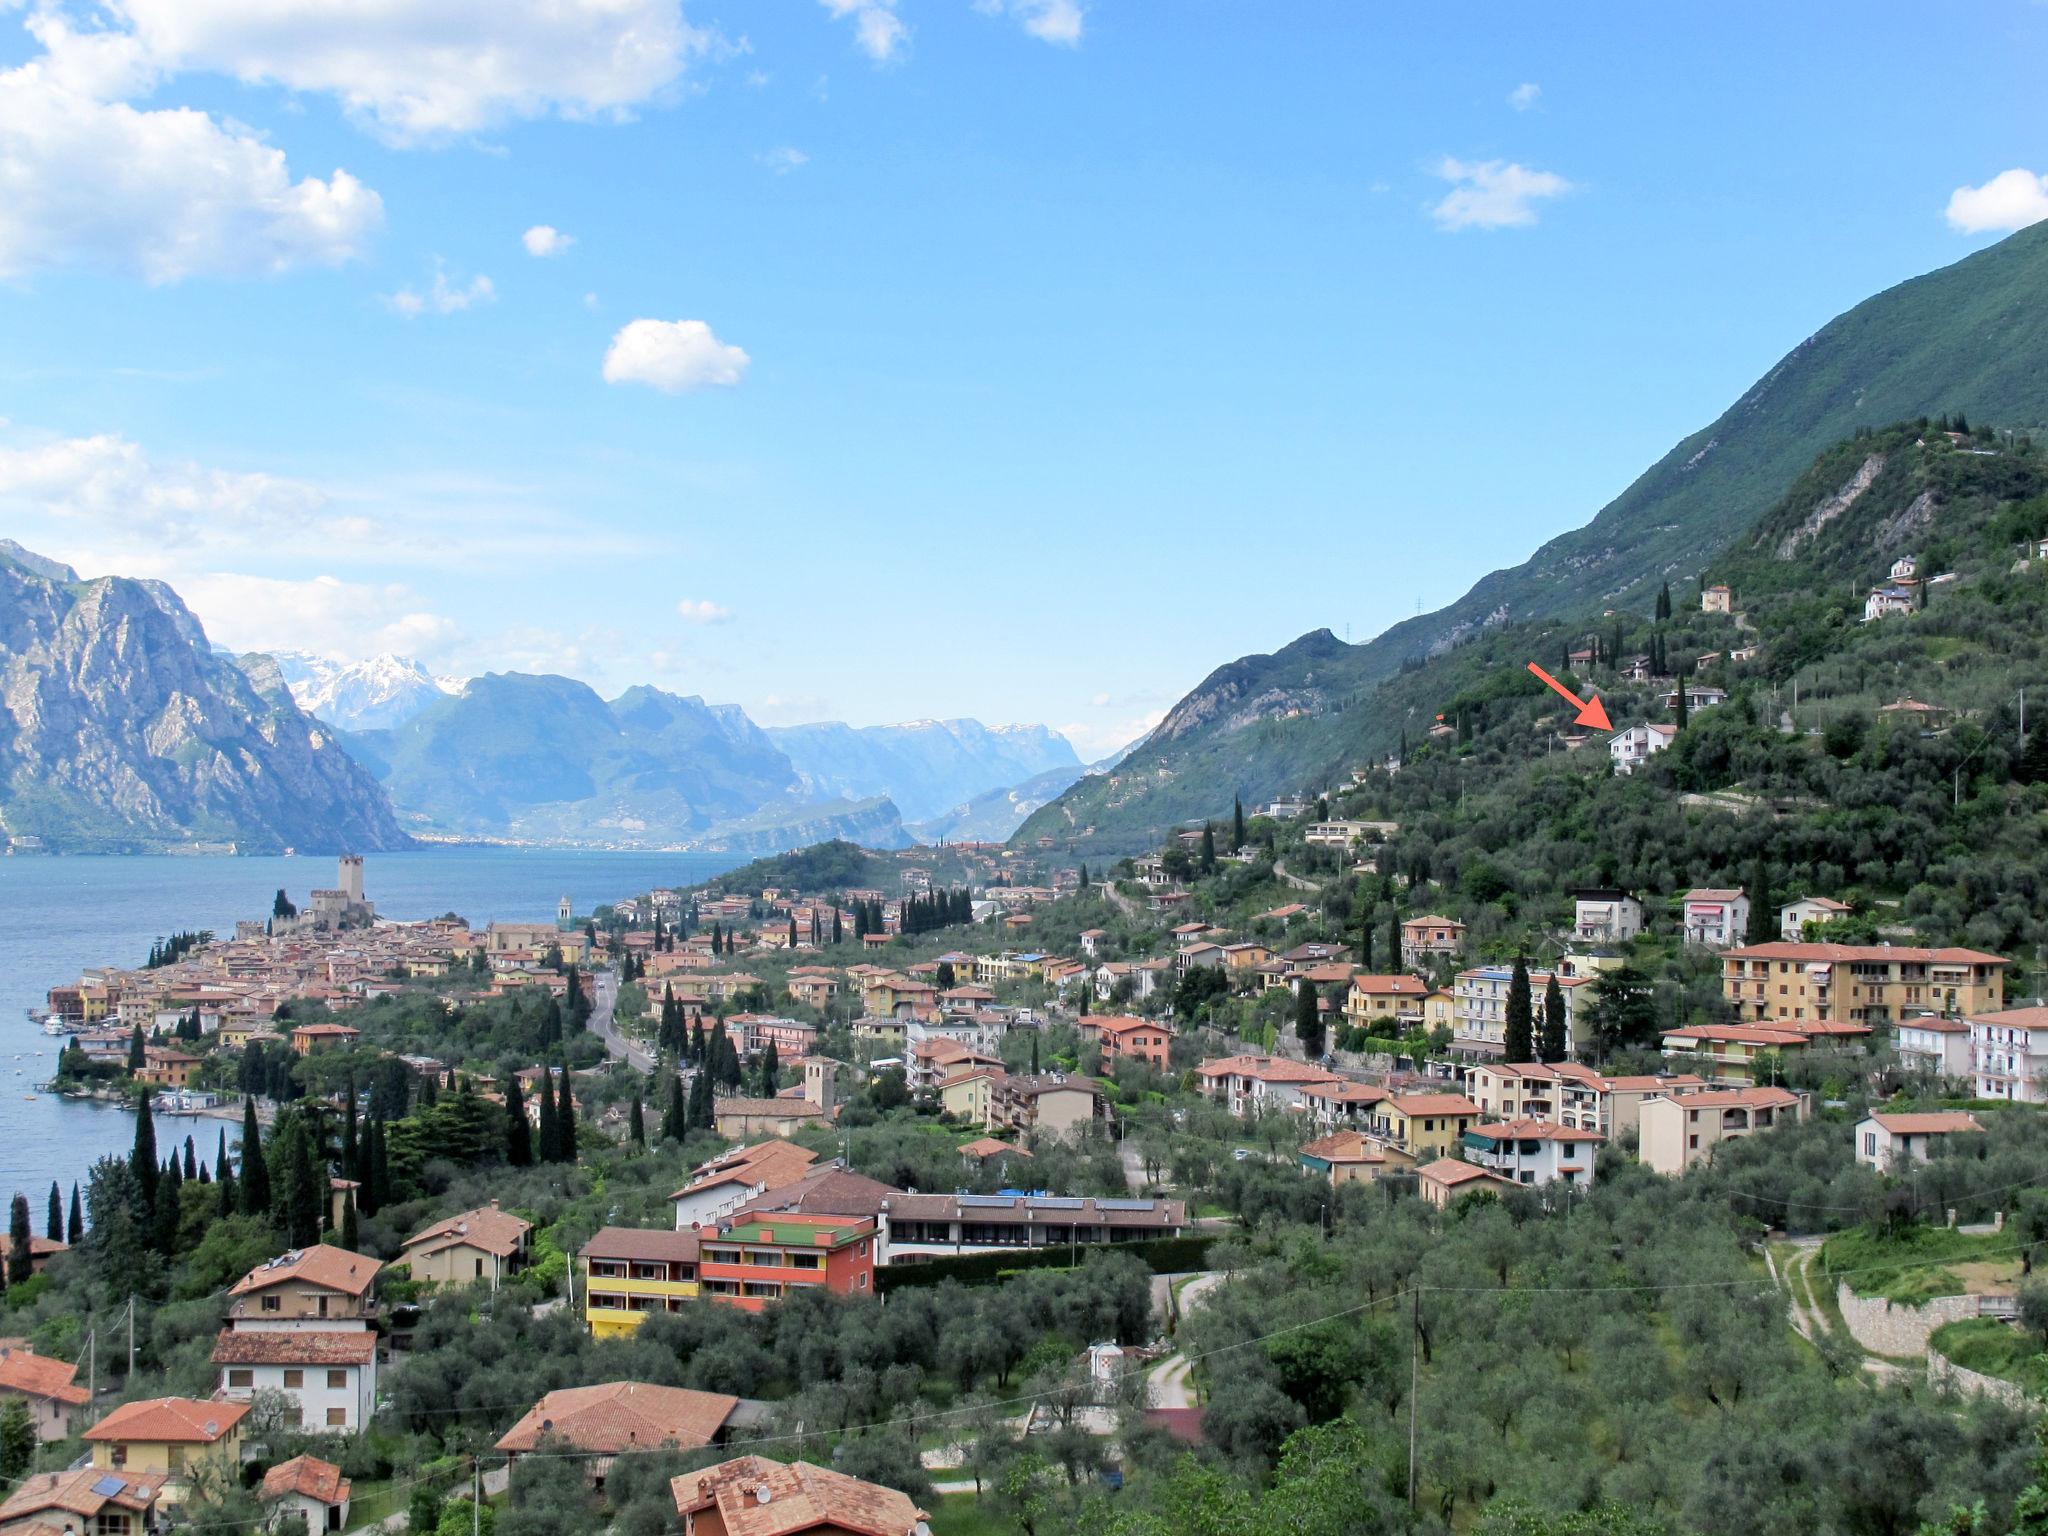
1971, 337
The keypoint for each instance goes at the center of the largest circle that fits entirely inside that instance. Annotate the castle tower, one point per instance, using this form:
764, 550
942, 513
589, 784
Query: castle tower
349, 879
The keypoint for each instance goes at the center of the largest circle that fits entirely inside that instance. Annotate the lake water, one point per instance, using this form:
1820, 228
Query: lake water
61, 916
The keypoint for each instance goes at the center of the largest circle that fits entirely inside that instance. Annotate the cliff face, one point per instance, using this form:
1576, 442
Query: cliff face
121, 732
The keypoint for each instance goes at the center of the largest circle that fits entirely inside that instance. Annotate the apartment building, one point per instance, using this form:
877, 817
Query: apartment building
1253, 1085
629, 1272
1602, 915
748, 1264
1932, 1043
915, 1227
1425, 1125
1677, 1132
1859, 983
2009, 1054
1533, 1153
1714, 917
1425, 938
1479, 1008
1729, 1054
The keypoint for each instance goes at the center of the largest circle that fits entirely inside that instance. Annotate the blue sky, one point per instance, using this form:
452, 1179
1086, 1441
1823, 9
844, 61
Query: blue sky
1024, 359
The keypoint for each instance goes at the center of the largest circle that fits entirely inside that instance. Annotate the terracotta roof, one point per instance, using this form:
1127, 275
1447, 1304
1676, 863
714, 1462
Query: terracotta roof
330, 1268
1532, 1130
622, 1416
1739, 1098
34, 1375
652, 1245
770, 1164
80, 1492
1184, 1424
1413, 1104
1270, 1069
1407, 986
1785, 950
309, 1478
486, 1228
1710, 893
2014, 1018
294, 1346
988, 1146
1934, 1024
1346, 1147
1450, 1173
758, 1497
169, 1421
827, 1191
1932, 1123
773, 1109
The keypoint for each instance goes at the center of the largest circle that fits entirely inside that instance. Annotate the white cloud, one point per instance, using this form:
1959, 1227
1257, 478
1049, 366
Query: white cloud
170, 193
546, 240
1525, 95
1050, 21
1492, 194
784, 160
877, 30
419, 69
1096, 739
2010, 200
699, 611
672, 355
322, 614
112, 483
443, 298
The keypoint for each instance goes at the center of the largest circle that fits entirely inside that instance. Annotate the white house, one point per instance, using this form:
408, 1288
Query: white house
331, 1375
1534, 1152
1697, 696
1897, 597
1602, 915
1795, 915
1713, 917
1931, 1043
1884, 1141
2009, 1054
1633, 747
1716, 600
312, 1489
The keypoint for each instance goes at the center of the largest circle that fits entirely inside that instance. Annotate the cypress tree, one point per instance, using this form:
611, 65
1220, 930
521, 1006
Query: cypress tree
1236, 822
1365, 941
255, 1167
518, 1131
377, 1183
191, 1169
137, 1052
143, 1159
1551, 1046
1520, 1025
53, 1225
1394, 961
1763, 905
548, 1148
350, 1152
675, 1117
771, 1071
702, 1107
164, 1217
21, 1258
1308, 1021
837, 935
74, 1226
349, 1235
1679, 712
565, 1119
1034, 1053
636, 1124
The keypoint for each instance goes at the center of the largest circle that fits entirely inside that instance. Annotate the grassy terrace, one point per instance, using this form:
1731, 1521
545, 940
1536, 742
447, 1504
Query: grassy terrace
1913, 1266
1993, 1348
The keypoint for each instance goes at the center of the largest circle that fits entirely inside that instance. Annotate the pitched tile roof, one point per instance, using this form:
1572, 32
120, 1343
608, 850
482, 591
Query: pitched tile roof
330, 1268
758, 1497
652, 1245
622, 1416
486, 1228
169, 1421
307, 1476
1786, 950
1931, 1123
294, 1346
34, 1375
82, 1491
770, 1164
827, 1191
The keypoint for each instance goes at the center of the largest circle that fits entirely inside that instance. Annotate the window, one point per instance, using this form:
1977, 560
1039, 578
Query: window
338, 1380
273, 1303
337, 1418
293, 1379
241, 1378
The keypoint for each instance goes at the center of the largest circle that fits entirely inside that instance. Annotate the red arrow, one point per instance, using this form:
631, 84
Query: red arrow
1591, 711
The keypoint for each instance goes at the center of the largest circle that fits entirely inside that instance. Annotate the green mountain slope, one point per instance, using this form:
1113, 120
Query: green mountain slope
1972, 337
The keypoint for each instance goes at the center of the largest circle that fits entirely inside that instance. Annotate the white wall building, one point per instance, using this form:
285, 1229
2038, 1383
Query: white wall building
1884, 1141
1606, 916
1795, 915
332, 1376
1932, 1043
1633, 747
1534, 1152
1715, 918
2009, 1054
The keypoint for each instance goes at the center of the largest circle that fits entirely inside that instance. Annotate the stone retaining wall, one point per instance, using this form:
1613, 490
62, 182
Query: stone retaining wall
1884, 1328
1944, 1372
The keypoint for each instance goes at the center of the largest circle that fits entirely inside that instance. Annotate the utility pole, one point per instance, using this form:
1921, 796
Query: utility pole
131, 1336
1414, 1385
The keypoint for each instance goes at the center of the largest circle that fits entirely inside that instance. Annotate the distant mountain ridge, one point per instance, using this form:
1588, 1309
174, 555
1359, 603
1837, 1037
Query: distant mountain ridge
370, 695
1971, 337
122, 732
926, 766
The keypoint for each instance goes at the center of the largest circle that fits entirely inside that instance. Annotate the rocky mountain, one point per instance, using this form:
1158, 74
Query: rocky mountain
545, 759
1971, 337
926, 766
992, 817
122, 732
368, 695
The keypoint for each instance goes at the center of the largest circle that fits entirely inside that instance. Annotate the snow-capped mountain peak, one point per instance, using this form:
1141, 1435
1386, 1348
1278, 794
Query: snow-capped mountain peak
376, 694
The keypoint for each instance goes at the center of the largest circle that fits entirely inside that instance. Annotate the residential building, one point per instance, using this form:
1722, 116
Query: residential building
306, 1288
312, 1489
738, 1119
1352, 1157
308, 1038
914, 1226
629, 1272
1637, 744
1253, 1085
1859, 983
1675, 1133
1524, 1090
1479, 1008
49, 1388
1890, 598
1716, 600
1336, 1105
753, 1496
731, 1179
748, 1264
172, 1437
1053, 1105
971, 1095
830, 1189
483, 1246
1613, 1106
1396, 997
1714, 917
1602, 915
1123, 1037
1795, 915
1931, 1042
616, 1418
1883, 1141
1424, 939
1534, 1152
1698, 696
84, 1499
1449, 1179
2009, 1054
1425, 1124
329, 1373
1729, 1053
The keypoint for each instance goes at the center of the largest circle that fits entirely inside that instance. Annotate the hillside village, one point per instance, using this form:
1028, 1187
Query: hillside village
1017, 1187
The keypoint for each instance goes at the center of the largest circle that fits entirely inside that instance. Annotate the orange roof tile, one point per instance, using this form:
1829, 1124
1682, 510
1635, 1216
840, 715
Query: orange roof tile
309, 1478
169, 1421
323, 1265
758, 1497
622, 1416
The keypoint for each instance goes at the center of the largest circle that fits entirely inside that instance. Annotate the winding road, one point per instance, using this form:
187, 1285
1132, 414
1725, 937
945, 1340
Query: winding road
605, 1027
